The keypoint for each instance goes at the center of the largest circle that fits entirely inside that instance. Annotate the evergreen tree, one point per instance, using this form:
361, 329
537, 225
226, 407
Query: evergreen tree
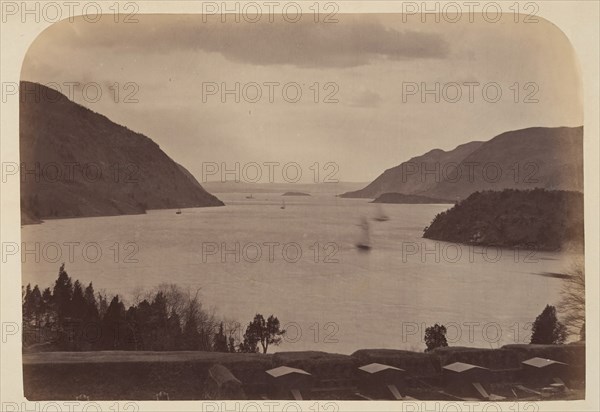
102, 304
114, 326
62, 293
26, 306
78, 302
36, 305
547, 329
48, 314
91, 304
158, 323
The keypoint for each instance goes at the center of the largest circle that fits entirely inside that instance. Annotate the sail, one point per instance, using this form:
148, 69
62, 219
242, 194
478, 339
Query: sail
364, 242
381, 216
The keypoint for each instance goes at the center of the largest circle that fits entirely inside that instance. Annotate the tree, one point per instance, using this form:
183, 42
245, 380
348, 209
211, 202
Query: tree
78, 303
62, 294
232, 329
174, 331
220, 341
190, 336
572, 303
264, 332
74, 330
197, 326
102, 303
91, 311
231, 344
435, 337
158, 323
114, 326
49, 314
547, 329
249, 344
26, 295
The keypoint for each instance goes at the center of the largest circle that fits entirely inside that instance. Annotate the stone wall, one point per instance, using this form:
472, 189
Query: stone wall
141, 375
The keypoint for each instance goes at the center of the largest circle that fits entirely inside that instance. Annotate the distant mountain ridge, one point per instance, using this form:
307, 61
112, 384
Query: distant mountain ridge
78, 163
549, 158
403, 199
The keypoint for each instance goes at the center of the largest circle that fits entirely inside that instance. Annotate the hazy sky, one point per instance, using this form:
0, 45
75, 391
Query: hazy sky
366, 61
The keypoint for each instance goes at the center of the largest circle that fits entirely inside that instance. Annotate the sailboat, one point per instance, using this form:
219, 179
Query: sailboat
282, 204
364, 243
178, 212
381, 216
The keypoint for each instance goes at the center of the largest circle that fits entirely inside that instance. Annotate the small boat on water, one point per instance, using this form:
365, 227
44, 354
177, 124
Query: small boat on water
282, 204
381, 216
178, 212
364, 243
250, 197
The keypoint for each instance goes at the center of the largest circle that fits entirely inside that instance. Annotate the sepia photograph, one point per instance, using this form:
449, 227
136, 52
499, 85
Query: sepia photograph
297, 204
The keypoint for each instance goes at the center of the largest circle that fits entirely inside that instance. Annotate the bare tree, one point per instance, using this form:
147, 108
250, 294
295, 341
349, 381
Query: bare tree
176, 298
572, 303
233, 333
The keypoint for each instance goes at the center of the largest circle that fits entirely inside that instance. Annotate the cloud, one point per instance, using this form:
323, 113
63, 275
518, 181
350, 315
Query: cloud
351, 42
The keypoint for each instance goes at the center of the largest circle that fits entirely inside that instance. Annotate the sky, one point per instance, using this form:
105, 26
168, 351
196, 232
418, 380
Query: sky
368, 115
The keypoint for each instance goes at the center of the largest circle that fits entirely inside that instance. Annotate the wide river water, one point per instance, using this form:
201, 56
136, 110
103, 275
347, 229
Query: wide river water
333, 297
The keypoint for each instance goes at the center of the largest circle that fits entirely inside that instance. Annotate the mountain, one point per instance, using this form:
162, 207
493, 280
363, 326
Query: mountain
550, 158
76, 163
536, 219
411, 177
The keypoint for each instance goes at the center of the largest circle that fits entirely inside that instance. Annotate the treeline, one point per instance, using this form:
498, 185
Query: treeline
71, 317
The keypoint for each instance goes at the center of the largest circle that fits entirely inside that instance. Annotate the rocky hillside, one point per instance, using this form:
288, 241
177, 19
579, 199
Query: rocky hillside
410, 177
549, 158
533, 219
77, 163
538, 157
